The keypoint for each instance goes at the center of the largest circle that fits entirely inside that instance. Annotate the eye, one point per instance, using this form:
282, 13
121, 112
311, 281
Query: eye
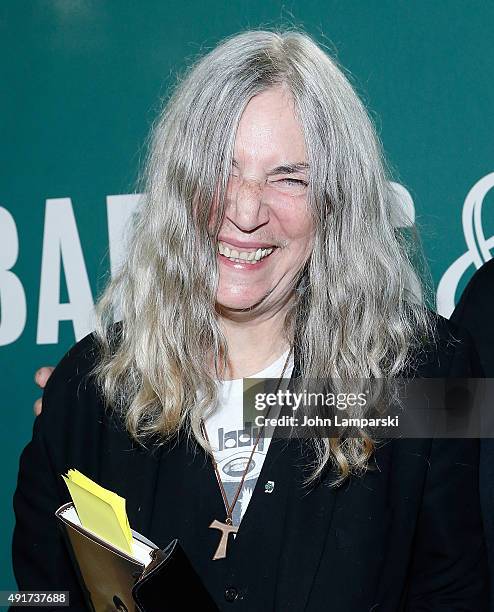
294, 182
290, 186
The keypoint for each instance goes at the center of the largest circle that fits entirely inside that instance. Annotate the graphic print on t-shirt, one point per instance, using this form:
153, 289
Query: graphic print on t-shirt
232, 440
235, 448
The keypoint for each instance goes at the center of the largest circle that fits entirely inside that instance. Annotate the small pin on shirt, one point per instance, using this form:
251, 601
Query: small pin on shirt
269, 486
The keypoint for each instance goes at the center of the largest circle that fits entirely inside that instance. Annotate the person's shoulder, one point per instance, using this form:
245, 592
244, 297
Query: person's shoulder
473, 308
448, 334
72, 391
483, 279
80, 361
448, 351
77, 427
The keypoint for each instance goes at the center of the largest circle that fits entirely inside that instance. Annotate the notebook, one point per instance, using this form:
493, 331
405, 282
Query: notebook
107, 573
118, 568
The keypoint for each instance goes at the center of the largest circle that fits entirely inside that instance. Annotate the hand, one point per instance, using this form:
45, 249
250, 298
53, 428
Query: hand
41, 378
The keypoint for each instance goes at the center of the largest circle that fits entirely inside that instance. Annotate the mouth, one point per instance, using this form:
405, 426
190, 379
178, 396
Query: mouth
245, 256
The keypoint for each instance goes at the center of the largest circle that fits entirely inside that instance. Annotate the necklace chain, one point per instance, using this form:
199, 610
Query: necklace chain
230, 507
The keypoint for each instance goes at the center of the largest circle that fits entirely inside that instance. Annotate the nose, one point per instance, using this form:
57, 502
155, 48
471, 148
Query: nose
246, 206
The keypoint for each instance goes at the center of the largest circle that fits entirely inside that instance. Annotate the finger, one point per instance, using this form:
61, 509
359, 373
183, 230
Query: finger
38, 407
42, 375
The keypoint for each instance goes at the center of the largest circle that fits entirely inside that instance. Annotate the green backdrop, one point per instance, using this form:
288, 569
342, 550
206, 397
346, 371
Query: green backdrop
81, 82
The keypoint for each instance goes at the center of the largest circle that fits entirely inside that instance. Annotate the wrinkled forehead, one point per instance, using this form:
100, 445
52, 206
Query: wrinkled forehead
269, 131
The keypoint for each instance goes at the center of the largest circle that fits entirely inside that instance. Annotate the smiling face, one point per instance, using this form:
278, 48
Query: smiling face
266, 234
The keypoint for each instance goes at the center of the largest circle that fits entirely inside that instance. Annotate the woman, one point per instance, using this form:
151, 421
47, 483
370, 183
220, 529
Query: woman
265, 246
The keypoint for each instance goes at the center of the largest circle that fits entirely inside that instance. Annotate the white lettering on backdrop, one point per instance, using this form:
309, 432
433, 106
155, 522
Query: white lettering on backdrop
62, 251
478, 246
13, 310
62, 254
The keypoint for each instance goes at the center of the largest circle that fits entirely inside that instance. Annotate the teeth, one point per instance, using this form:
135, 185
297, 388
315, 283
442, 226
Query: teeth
251, 257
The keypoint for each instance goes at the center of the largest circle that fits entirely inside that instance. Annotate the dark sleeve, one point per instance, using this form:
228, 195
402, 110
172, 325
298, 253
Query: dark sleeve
40, 555
449, 567
474, 313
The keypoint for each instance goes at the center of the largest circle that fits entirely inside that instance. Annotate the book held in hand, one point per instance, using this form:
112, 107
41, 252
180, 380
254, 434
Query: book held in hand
119, 569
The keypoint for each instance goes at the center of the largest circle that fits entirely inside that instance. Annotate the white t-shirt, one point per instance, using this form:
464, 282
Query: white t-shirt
232, 443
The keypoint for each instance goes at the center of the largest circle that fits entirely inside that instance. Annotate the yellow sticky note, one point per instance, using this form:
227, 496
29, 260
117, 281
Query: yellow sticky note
100, 510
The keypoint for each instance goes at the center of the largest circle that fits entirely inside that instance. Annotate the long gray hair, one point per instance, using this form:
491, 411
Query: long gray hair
353, 316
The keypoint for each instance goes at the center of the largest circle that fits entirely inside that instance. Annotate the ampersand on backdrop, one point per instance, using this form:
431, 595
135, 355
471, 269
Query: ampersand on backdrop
478, 246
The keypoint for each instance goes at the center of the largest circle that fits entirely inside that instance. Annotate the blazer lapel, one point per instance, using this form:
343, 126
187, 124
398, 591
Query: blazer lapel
308, 519
284, 527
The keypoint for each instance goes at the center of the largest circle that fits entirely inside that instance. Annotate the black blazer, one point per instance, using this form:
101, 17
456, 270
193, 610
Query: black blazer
474, 313
405, 536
